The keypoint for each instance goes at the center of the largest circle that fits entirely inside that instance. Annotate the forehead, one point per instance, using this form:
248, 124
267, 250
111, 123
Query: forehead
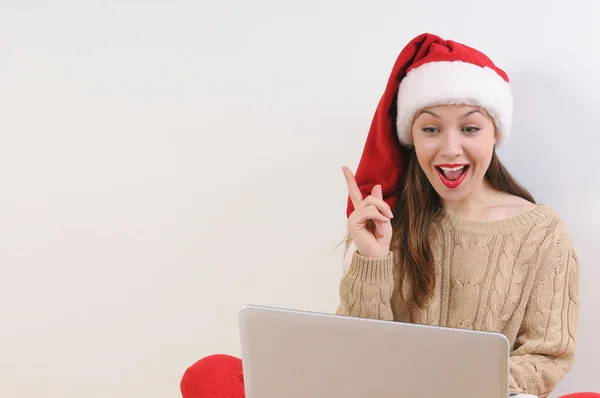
452, 111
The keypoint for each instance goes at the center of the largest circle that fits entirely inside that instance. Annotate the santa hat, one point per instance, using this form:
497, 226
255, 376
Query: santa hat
429, 71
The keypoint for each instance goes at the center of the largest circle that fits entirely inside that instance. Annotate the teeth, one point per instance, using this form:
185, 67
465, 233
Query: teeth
452, 168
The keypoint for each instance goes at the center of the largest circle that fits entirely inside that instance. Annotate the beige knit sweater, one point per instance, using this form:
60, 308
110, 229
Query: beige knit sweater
518, 276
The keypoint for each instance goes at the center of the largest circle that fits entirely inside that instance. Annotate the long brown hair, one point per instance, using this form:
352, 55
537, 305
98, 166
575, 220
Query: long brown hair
416, 211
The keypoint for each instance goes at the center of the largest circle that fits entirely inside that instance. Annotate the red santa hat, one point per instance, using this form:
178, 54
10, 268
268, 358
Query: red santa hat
429, 71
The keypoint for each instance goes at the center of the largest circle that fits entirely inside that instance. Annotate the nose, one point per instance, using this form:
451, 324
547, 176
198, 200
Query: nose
451, 145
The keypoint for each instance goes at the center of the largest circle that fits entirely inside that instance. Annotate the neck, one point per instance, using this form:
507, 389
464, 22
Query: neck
473, 206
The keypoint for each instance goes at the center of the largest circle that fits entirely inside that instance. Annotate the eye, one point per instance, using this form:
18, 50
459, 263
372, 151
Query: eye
430, 130
471, 130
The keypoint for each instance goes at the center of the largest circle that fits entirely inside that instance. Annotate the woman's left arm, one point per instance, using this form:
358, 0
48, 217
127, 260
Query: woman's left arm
545, 349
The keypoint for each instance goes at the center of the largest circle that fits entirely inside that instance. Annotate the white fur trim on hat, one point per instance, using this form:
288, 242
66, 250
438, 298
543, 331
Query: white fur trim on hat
454, 82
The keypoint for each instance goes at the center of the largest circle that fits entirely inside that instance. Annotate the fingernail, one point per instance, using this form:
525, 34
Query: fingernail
391, 215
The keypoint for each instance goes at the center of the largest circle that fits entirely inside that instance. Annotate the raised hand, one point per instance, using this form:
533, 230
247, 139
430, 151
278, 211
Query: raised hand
369, 224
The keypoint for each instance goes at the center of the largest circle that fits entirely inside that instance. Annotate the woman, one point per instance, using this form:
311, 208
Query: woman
439, 231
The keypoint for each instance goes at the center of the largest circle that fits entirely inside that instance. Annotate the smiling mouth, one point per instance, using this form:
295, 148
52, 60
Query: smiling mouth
452, 175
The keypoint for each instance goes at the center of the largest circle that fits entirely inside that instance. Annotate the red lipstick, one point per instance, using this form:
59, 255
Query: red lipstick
452, 183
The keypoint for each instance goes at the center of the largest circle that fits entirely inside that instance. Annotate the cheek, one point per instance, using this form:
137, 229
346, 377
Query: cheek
482, 156
424, 157
426, 154
425, 148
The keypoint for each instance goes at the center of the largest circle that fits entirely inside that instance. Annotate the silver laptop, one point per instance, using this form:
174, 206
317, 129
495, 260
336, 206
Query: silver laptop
299, 354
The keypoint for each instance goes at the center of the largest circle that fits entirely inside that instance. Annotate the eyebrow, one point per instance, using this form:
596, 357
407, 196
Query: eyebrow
435, 115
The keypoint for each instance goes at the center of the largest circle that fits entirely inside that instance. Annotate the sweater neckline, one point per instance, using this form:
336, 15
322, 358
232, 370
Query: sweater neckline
519, 221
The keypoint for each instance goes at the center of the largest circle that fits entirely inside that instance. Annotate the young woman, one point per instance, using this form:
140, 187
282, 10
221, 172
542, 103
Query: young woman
439, 231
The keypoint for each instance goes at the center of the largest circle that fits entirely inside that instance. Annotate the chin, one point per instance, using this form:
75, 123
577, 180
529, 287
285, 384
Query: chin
451, 194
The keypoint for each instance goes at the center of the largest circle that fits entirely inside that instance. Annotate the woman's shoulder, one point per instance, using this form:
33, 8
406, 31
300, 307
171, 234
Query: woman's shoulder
532, 213
515, 216
543, 226
556, 225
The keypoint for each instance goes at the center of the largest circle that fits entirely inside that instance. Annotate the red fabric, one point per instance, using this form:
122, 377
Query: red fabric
221, 376
383, 158
215, 376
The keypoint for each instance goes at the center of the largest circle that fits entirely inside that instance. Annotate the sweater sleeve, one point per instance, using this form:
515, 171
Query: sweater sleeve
545, 348
366, 287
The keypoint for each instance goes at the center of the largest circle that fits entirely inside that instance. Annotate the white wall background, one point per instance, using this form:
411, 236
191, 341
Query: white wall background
163, 163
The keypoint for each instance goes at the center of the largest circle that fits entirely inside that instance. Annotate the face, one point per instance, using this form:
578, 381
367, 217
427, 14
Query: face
454, 146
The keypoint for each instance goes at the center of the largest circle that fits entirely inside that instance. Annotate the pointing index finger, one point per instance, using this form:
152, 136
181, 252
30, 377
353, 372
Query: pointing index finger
353, 190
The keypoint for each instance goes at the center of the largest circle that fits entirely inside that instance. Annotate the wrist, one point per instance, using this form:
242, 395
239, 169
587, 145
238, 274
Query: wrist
374, 255
371, 270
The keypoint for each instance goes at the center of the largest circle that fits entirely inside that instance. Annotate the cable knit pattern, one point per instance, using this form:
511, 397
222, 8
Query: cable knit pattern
518, 276
368, 288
